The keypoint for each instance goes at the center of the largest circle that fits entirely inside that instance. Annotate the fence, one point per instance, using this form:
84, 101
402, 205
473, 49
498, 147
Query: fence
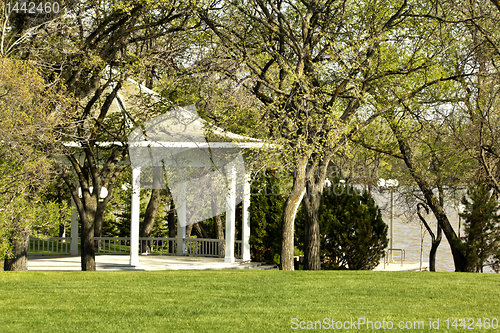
121, 245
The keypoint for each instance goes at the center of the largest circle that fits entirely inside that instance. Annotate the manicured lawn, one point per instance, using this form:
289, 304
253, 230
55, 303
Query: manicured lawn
234, 300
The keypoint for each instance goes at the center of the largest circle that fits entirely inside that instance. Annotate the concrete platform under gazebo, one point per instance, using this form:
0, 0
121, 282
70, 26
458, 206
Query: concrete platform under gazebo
146, 263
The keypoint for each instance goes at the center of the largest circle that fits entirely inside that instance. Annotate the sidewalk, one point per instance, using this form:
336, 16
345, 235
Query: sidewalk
150, 263
146, 263
396, 266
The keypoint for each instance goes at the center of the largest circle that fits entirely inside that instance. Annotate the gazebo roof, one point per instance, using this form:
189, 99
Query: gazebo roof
212, 133
215, 137
199, 171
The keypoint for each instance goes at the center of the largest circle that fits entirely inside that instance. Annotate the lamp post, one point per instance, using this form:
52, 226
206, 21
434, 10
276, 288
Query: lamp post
391, 184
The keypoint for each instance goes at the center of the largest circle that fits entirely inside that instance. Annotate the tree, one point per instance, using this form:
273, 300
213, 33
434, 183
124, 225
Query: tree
425, 127
316, 67
475, 112
435, 238
95, 47
353, 234
114, 46
29, 112
436, 204
471, 119
481, 222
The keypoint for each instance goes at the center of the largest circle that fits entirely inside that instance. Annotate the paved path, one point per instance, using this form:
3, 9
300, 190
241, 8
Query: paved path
405, 267
146, 263
150, 263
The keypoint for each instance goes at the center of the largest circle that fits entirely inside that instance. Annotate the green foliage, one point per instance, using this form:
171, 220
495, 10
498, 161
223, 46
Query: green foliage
28, 114
59, 195
481, 226
353, 235
266, 209
39, 219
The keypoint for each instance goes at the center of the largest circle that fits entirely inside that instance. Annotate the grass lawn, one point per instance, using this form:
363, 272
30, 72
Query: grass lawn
238, 300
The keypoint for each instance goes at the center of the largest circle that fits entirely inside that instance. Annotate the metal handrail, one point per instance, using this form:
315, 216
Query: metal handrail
386, 256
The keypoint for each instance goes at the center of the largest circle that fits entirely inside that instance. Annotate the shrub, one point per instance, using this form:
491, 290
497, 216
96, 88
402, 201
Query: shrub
353, 234
481, 222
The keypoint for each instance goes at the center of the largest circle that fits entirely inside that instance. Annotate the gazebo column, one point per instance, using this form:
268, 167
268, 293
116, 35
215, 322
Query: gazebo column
181, 222
246, 219
74, 228
230, 216
135, 210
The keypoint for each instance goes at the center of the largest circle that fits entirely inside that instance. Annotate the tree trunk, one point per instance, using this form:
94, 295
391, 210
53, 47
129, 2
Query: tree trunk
98, 226
90, 207
87, 218
152, 209
62, 230
432, 255
434, 246
291, 205
316, 175
199, 231
20, 251
87, 244
98, 223
219, 230
172, 232
189, 228
149, 219
456, 246
435, 241
312, 251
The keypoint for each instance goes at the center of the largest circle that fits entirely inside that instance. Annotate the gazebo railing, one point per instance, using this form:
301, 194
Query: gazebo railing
49, 246
157, 245
204, 247
238, 252
112, 245
147, 245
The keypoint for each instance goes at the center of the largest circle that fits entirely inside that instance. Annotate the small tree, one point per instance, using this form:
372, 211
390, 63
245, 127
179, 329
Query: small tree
353, 234
481, 222
435, 238
266, 207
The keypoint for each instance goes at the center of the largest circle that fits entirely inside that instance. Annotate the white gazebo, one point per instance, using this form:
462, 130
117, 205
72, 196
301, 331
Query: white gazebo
177, 144
230, 203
